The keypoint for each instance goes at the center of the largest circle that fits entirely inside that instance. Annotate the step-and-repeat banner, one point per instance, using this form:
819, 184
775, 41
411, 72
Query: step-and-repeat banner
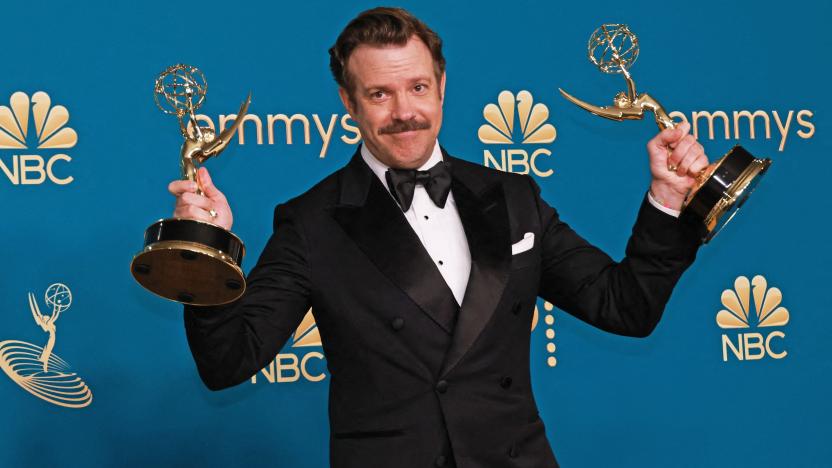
97, 371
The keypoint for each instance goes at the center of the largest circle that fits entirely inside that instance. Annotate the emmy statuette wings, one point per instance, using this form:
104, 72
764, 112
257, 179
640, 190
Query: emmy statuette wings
721, 188
186, 260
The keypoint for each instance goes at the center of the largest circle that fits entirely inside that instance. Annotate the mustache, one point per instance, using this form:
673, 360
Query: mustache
399, 126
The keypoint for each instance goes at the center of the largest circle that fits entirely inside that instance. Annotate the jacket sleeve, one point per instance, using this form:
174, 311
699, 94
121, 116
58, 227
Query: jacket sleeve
231, 343
626, 297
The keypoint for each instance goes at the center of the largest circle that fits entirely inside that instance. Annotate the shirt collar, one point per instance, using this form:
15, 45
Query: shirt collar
379, 168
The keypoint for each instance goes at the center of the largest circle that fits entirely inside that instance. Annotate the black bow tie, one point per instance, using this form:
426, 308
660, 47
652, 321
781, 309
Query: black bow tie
437, 181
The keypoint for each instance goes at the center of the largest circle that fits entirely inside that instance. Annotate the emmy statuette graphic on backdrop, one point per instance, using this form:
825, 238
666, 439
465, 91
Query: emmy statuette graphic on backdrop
38, 370
722, 187
187, 260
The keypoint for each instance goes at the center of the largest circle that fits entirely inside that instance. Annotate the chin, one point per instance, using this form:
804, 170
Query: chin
414, 155
412, 160
405, 151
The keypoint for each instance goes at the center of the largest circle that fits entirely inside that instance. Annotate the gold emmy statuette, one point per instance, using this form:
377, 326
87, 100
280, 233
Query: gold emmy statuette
185, 260
721, 188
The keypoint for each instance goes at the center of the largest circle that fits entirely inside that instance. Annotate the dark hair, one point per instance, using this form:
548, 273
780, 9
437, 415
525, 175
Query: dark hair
381, 26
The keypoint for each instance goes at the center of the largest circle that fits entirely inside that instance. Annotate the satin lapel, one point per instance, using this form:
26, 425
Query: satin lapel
370, 216
484, 216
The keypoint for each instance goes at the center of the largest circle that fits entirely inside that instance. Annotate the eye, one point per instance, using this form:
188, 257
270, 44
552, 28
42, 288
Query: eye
377, 95
420, 88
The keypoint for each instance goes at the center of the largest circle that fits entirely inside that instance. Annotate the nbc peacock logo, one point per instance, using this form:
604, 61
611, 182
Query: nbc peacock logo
738, 313
38, 370
307, 333
34, 123
517, 119
299, 362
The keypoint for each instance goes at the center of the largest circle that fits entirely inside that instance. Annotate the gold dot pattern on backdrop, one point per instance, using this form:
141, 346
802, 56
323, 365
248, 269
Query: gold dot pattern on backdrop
549, 319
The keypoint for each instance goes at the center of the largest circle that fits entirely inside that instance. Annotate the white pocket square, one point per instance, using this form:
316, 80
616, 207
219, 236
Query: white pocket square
524, 244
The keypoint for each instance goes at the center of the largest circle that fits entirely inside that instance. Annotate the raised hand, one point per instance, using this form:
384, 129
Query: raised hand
676, 159
210, 205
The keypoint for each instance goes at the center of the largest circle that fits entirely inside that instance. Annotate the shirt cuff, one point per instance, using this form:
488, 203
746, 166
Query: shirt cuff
662, 208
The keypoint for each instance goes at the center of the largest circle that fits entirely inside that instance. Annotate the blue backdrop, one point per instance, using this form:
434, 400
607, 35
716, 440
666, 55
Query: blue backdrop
682, 397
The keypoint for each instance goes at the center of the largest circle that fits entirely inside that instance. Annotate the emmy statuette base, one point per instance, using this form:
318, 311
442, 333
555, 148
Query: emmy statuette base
191, 262
726, 189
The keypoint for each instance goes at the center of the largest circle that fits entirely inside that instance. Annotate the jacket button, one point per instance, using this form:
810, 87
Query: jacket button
505, 382
512, 452
441, 460
516, 309
397, 323
442, 386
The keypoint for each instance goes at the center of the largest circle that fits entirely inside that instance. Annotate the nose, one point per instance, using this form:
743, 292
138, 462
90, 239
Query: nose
403, 107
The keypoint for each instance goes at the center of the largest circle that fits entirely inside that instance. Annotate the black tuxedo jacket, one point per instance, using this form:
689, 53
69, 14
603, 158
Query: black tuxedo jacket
417, 380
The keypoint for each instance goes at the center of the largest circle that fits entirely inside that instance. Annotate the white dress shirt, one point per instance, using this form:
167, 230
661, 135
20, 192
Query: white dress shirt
439, 229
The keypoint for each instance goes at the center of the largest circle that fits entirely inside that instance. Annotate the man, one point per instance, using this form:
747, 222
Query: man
423, 283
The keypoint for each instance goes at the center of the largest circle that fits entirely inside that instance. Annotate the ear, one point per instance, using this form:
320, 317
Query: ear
442, 89
345, 100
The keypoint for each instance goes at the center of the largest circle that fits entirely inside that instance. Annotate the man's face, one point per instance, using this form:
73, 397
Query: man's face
396, 101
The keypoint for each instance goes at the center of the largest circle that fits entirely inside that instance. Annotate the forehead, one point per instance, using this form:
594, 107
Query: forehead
372, 65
